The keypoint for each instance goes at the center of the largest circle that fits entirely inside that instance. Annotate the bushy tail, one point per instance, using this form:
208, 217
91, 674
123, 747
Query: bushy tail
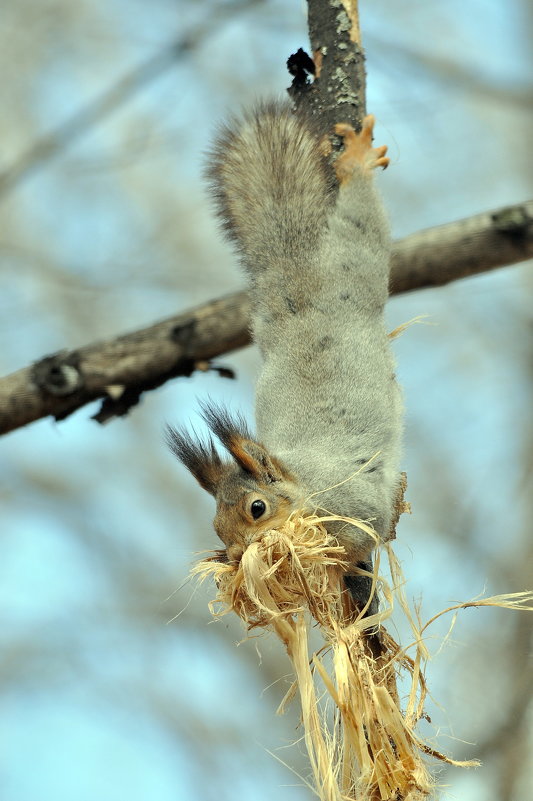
272, 185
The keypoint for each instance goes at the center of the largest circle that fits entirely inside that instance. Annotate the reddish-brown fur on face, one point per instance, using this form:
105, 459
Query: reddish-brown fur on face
237, 528
252, 475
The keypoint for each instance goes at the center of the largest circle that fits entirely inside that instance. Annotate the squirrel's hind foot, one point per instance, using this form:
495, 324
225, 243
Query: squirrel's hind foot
358, 151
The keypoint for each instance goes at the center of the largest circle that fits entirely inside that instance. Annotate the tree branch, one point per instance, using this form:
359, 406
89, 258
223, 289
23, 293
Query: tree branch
82, 121
437, 256
338, 91
118, 371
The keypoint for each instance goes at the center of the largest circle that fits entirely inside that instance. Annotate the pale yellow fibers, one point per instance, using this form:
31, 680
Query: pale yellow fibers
368, 749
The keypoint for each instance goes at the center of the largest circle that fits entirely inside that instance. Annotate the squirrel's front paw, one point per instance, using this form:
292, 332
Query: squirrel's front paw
358, 151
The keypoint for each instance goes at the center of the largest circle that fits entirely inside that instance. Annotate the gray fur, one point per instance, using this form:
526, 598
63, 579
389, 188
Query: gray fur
327, 401
328, 409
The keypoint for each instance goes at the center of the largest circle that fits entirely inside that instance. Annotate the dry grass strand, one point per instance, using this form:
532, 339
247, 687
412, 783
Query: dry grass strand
360, 744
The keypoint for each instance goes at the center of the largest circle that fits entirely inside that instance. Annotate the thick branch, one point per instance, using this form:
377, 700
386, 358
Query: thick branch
338, 92
474, 245
120, 370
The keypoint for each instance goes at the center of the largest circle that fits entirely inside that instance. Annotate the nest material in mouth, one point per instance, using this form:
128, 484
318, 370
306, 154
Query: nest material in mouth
367, 749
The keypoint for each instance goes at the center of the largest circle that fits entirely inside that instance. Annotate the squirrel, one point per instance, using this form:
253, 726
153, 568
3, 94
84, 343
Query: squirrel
315, 244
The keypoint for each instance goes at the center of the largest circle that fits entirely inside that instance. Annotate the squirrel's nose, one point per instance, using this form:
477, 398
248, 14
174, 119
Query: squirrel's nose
234, 553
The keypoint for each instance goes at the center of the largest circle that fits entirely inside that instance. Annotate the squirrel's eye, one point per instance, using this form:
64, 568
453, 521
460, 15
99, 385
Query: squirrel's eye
257, 508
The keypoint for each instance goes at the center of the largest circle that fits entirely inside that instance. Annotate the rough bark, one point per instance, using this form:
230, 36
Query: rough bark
338, 91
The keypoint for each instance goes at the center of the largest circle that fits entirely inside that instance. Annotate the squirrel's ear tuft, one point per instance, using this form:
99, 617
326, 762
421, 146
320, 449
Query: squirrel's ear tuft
250, 455
200, 458
224, 425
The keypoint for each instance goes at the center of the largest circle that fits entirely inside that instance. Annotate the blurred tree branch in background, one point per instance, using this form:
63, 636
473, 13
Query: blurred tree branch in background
119, 370
81, 122
452, 71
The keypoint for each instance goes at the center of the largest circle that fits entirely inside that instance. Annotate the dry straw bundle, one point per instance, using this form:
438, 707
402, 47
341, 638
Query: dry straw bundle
360, 744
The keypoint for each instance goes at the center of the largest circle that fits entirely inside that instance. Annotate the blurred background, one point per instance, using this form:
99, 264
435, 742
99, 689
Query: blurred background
114, 682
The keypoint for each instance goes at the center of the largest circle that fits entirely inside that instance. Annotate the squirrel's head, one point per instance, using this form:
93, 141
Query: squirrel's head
254, 492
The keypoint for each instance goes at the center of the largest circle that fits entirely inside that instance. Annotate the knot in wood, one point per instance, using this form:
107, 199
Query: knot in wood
57, 376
